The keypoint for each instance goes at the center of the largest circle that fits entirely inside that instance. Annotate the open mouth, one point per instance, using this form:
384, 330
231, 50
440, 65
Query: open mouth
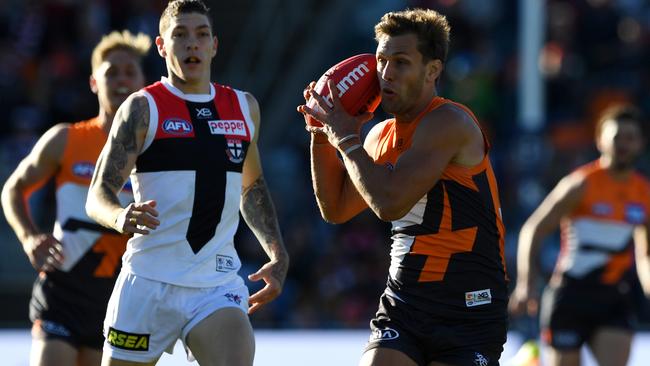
388, 91
122, 91
192, 60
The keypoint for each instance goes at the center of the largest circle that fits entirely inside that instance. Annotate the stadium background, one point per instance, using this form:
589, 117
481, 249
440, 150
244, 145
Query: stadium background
593, 52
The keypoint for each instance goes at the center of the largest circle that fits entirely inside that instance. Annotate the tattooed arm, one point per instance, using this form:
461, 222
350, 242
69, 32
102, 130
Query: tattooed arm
259, 213
113, 167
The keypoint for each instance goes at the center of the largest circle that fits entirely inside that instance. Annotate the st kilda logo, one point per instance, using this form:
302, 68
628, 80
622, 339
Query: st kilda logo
235, 150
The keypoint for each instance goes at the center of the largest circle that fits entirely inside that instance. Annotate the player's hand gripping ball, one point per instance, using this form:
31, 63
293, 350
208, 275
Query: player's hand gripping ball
356, 84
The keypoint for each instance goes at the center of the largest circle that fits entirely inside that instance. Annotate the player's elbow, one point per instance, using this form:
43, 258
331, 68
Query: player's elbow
10, 190
331, 216
6, 194
91, 205
389, 212
529, 232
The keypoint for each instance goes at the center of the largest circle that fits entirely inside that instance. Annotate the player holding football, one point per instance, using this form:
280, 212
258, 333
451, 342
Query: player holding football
192, 148
427, 171
603, 211
79, 262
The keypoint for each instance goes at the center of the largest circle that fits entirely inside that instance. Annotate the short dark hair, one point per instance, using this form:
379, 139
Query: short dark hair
619, 113
431, 28
176, 7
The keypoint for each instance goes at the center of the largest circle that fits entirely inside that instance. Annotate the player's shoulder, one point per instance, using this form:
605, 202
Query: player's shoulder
453, 116
641, 180
137, 101
577, 181
58, 133
587, 172
250, 98
451, 125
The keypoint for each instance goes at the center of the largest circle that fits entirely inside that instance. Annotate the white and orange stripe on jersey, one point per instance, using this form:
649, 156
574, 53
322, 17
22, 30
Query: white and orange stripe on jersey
73, 228
597, 237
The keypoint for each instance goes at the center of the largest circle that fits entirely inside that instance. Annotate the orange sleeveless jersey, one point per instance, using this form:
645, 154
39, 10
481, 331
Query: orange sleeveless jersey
73, 227
447, 251
597, 236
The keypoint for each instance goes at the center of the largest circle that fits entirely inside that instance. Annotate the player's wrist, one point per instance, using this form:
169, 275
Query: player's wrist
348, 143
319, 138
26, 236
347, 140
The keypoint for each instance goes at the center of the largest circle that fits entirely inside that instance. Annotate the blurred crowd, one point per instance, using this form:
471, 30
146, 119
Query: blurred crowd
594, 52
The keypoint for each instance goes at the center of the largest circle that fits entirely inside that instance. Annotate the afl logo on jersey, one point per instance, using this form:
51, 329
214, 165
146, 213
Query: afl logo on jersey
83, 169
634, 213
235, 150
177, 126
602, 209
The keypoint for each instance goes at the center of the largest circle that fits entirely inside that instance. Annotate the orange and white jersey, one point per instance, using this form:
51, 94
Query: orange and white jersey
597, 237
447, 251
73, 228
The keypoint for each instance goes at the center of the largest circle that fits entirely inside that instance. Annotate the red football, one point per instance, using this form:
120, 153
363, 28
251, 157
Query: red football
356, 82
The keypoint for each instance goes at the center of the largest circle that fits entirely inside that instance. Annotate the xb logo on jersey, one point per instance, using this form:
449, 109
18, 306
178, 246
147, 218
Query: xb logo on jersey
235, 150
203, 112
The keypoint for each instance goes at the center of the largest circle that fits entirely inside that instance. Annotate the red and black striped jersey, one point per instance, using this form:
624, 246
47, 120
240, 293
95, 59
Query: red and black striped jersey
191, 165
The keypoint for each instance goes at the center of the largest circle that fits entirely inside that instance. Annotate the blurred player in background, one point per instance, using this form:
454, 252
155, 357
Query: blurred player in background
192, 148
427, 170
602, 210
78, 263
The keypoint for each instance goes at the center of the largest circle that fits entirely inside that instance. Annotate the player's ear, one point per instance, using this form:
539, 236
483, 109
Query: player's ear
160, 45
215, 45
93, 84
434, 69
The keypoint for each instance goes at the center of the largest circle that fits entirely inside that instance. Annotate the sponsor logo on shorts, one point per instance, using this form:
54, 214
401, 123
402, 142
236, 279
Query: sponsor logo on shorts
128, 341
480, 297
565, 338
83, 169
233, 298
225, 263
203, 112
234, 127
177, 126
385, 334
480, 360
55, 328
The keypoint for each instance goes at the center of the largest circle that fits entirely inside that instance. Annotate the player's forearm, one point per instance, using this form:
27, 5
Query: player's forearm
328, 179
373, 182
14, 205
527, 251
643, 271
103, 206
259, 213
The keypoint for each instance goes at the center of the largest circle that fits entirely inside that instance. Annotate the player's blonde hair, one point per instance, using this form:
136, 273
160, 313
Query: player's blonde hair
619, 113
137, 44
431, 28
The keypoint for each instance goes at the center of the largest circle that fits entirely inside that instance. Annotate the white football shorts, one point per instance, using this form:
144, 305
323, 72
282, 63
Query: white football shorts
145, 318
